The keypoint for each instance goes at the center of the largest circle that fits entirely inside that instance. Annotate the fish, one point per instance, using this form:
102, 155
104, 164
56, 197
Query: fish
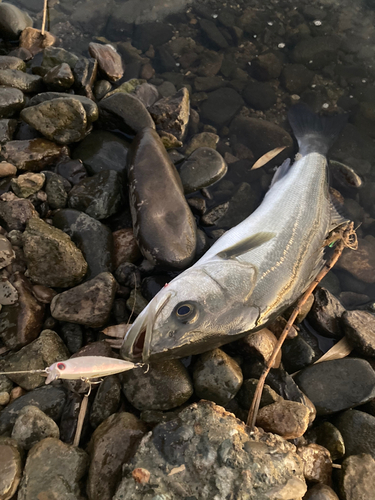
257, 269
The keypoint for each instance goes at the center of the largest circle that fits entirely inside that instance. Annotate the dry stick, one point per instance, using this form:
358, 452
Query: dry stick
345, 238
81, 418
44, 16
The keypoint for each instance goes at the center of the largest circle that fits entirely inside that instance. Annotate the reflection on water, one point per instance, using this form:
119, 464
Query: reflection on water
257, 60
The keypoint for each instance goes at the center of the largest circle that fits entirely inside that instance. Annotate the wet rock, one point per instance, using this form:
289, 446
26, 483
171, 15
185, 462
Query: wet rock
93, 238
101, 88
266, 67
321, 492
43, 293
357, 479
101, 150
202, 445
221, 106
317, 463
216, 214
44, 351
15, 213
125, 247
297, 354
259, 95
27, 184
128, 274
21, 80
245, 395
359, 327
148, 94
33, 155
52, 258
240, 206
124, 112
286, 418
98, 196
112, 444
217, 377
165, 386
32, 41
202, 140
53, 56
11, 62
53, 468
55, 190
128, 87
21, 322
48, 399
11, 101
12, 21
337, 385
7, 255
85, 73
325, 314
72, 170
31, 426
213, 33
87, 304
317, 52
136, 302
296, 78
330, 437
107, 400
91, 109
204, 167
7, 129
155, 193
208, 83
60, 120
171, 114
72, 336
10, 467
109, 60
361, 263
59, 78
358, 430
261, 344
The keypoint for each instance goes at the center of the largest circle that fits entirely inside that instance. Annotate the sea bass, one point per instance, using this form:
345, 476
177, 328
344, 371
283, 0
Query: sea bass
255, 270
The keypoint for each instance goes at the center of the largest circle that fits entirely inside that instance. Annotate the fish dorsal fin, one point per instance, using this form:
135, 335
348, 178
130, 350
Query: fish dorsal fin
281, 171
244, 246
337, 214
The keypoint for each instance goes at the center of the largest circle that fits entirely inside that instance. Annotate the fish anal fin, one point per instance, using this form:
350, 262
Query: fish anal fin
281, 171
253, 241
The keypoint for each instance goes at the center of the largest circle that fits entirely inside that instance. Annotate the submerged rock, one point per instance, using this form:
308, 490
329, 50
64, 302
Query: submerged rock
12, 21
204, 167
221, 106
171, 114
164, 226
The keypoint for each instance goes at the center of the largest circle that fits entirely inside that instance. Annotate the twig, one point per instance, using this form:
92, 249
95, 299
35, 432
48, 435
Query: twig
44, 16
345, 238
81, 418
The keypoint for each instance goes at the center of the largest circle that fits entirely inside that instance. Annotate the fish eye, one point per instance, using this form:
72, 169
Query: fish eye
183, 310
186, 313
61, 366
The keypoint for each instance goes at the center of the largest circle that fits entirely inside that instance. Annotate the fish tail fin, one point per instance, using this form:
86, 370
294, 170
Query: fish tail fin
314, 133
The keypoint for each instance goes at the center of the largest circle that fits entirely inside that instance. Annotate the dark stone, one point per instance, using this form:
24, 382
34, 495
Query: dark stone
317, 52
84, 74
221, 106
359, 327
69, 418
246, 394
361, 263
72, 170
53, 56
266, 67
330, 437
33, 425
11, 101
297, 354
107, 400
101, 88
109, 60
148, 94
12, 21
14, 214
59, 78
240, 206
91, 109
127, 274
296, 78
72, 336
171, 114
55, 190
337, 385
358, 430
202, 168
325, 314
7, 128
215, 214
259, 95
208, 83
155, 34
161, 216
213, 33
32, 155
20, 80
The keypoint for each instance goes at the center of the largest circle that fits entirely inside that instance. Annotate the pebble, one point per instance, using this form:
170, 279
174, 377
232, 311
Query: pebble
72, 170
337, 385
101, 88
7, 129
12, 21
285, 418
212, 32
21, 80
107, 400
357, 479
88, 304
11, 62
90, 107
171, 114
98, 196
358, 431
55, 190
15, 213
221, 106
43, 293
330, 437
259, 95
320, 492
325, 314
125, 247
59, 78
297, 354
7, 254
202, 168
296, 78
8, 294
147, 93
32, 155
217, 377
261, 344
266, 67
245, 395
359, 327
52, 258
11, 101
204, 139
317, 463
32, 41
27, 184
316, 52
10, 467
136, 302
112, 444
31, 426
109, 60
128, 274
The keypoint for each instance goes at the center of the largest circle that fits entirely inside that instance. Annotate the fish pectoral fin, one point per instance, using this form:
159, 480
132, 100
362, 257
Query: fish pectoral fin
281, 171
337, 215
245, 245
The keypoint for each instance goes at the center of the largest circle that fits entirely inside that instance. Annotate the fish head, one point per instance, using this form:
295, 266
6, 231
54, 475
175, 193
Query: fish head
204, 307
54, 371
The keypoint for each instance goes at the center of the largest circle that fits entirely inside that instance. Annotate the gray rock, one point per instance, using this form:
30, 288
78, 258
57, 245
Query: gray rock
217, 377
320, 492
330, 437
171, 114
109, 60
221, 106
27, 184
59, 78
14, 214
359, 327
204, 167
337, 385
101, 88
296, 78
60, 120
148, 94
93, 20
10, 467
85, 73
211, 454
360, 264
325, 314
165, 386
21, 80
12, 21
11, 62
213, 33
98, 196
54, 56
357, 481
11, 101
31, 426
55, 190
33, 155
318, 51
297, 354
7, 254
208, 83
8, 294
240, 206
91, 109
112, 444
107, 400
358, 430
7, 128
87, 304
52, 258
266, 67
53, 468
259, 95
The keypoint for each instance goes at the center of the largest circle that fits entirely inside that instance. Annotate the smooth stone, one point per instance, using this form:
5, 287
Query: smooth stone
7, 129
14, 214
127, 87
27, 184
125, 247
317, 52
320, 492
44, 351
357, 480
246, 394
330, 437
85, 72
112, 444
171, 114
13, 21
93, 238
10, 467
49, 399
11, 101
124, 112
32, 41
317, 463
208, 83
325, 314
31, 426
266, 67
59, 78
153, 284
156, 34
88, 304
72, 170
285, 418
213, 33
217, 377
32, 155
259, 95
107, 400
101, 150
358, 431
200, 446
72, 336
261, 344
21, 322
98, 196
101, 88
55, 190
221, 106
7, 254
52, 258
359, 328
165, 386
53, 469
204, 139
296, 78
91, 109
10, 62
43, 293
202, 168
8, 294
109, 60
128, 274
297, 354
53, 56
337, 385
160, 212
21, 80
136, 302
147, 93
60, 120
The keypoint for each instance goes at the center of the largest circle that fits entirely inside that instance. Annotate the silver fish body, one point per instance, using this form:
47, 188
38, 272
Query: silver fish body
256, 269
